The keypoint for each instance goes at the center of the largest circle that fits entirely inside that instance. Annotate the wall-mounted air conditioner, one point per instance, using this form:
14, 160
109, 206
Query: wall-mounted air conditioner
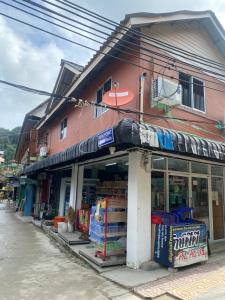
43, 151
166, 91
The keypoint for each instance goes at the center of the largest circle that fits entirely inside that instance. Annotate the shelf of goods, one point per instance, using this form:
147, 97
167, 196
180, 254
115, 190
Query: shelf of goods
108, 225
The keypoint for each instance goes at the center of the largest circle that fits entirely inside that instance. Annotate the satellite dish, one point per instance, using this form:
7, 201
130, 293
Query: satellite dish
118, 97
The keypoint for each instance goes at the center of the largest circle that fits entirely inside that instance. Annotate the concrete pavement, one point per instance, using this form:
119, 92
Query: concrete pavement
198, 282
32, 267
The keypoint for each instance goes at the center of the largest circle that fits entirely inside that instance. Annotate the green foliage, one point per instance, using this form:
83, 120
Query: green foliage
8, 142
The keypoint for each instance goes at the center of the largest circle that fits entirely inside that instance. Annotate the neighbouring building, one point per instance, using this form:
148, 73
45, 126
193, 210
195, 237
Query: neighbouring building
172, 155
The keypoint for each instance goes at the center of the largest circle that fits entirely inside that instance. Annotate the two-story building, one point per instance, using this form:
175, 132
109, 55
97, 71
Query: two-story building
164, 149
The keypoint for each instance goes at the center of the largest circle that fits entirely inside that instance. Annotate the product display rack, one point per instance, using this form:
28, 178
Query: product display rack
108, 224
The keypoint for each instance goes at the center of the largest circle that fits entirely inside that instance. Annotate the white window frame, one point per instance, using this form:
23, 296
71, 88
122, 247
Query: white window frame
103, 109
63, 131
192, 94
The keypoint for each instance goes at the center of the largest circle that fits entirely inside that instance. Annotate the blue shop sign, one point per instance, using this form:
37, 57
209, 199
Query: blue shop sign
105, 137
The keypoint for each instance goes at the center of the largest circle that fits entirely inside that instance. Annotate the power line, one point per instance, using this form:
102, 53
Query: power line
125, 42
74, 26
120, 25
97, 41
145, 49
45, 8
81, 102
147, 37
105, 54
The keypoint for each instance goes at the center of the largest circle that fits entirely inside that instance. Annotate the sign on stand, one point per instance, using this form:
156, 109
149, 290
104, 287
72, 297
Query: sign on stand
180, 245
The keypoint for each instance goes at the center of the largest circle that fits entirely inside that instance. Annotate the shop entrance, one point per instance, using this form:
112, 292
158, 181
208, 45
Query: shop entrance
177, 183
200, 199
218, 207
102, 206
64, 196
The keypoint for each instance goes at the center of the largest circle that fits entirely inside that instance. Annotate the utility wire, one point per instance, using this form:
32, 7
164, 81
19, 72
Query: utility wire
124, 41
137, 32
111, 35
146, 37
50, 16
106, 54
145, 49
98, 41
81, 103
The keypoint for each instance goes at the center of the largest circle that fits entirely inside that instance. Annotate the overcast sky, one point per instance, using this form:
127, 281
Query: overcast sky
32, 58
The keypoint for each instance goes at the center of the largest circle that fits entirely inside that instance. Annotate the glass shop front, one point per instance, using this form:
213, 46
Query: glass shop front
178, 183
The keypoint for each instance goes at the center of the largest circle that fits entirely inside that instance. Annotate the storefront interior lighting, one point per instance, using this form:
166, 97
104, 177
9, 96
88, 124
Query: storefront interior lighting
111, 164
160, 158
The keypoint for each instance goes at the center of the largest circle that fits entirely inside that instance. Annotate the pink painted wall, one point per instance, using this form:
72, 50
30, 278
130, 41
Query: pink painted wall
82, 124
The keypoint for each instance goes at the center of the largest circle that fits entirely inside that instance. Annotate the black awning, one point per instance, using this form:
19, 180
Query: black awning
128, 134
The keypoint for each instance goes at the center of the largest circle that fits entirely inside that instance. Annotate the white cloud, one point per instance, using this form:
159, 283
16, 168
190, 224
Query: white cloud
28, 64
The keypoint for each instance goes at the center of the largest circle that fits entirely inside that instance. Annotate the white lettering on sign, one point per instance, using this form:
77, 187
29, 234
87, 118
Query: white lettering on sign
123, 94
186, 240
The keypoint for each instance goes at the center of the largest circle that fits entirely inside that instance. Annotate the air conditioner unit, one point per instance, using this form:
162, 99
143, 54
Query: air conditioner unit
166, 91
43, 151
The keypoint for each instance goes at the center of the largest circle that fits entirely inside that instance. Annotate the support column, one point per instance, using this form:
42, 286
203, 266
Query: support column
73, 186
139, 212
79, 186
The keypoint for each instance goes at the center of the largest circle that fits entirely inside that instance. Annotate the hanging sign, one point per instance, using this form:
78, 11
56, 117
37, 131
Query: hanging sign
105, 137
118, 97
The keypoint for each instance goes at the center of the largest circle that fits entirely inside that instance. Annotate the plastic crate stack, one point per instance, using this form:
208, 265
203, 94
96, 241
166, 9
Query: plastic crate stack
108, 227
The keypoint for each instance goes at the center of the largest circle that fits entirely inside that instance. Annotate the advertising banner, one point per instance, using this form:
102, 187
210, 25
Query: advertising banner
180, 245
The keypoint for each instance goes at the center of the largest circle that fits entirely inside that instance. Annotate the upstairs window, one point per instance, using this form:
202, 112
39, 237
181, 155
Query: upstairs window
99, 97
192, 92
63, 129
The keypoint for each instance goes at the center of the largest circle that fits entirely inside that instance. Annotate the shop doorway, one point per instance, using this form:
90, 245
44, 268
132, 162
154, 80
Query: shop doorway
64, 196
200, 199
218, 207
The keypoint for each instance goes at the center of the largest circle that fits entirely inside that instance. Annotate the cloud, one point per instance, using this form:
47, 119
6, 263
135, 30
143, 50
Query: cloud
28, 64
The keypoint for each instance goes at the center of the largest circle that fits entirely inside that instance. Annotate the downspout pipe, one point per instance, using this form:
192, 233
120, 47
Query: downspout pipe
141, 96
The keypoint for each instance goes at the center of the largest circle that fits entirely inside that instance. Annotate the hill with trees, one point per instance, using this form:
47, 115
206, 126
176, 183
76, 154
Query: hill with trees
8, 142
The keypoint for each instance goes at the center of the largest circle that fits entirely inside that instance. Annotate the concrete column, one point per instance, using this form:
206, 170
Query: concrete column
79, 186
73, 186
139, 211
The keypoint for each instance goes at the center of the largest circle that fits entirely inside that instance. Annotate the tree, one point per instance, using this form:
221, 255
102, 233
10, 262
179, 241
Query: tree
8, 142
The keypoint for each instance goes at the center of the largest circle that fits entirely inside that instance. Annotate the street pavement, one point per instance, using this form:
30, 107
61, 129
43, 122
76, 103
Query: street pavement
199, 282
32, 267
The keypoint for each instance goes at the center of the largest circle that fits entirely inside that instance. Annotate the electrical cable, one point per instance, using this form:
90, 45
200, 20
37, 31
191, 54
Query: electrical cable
45, 8
97, 41
120, 25
81, 103
131, 43
103, 53
143, 35
126, 110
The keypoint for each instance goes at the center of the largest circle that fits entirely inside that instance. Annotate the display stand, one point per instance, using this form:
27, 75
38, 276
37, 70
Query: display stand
108, 227
113, 231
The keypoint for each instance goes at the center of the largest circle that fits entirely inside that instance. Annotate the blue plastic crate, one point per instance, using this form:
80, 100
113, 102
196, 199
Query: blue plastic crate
100, 238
